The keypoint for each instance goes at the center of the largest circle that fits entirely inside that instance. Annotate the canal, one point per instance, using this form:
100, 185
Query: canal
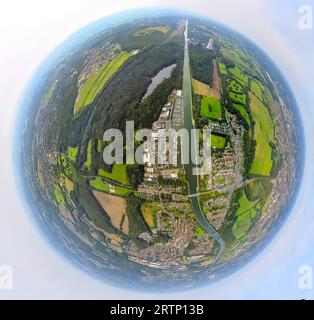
188, 124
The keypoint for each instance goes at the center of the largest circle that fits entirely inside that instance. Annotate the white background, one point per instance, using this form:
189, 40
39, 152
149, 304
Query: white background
30, 30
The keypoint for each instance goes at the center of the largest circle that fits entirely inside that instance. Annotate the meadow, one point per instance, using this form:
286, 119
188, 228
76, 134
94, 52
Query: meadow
244, 114
238, 98
241, 77
114, 206
210, 108
235, 87
218, 142
72, 153
263, 135
149, 209
200, 88
244, 214
256, 88
118, 174
150, 30
94, 84
102, 185
223, 69
88, 162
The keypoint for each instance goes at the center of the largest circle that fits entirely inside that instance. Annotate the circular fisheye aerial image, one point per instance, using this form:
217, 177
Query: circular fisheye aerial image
159, 151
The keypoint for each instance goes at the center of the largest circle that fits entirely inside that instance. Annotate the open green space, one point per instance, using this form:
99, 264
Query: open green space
231, 55
245, 214
256, 88
235, 87
150, 30
149, 209
241, 108
210, 108
220, 180
241, 77
47, 97
217, 141
59, 196
245, 204
102, 185
67, 183
65, 165
238, 98
263, 135
259, 189
119, 174
99, 184
199, 231
100, 145
72, 153
223, 69
88, 162
94, 84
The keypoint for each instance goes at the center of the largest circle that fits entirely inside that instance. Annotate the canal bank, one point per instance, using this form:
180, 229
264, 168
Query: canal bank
188, 124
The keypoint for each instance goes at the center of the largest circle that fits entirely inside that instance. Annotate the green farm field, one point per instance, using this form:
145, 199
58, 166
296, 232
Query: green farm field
72, 153
235, 87
241, 77
102, 185
245, 213
256, 88
88, 162
263, 135
244, 114
150, 30
210, 108
118, 174
149, 209
223, 69
237, 97
95, 83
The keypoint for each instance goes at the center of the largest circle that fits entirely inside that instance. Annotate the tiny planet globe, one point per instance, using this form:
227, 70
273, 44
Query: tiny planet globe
115, 200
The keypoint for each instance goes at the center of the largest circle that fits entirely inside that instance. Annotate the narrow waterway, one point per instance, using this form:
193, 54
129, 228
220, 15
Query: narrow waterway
188, 124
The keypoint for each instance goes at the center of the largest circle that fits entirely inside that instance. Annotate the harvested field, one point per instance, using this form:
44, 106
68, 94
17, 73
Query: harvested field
114, 206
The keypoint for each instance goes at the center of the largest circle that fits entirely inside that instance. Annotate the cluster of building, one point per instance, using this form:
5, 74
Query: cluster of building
156, 155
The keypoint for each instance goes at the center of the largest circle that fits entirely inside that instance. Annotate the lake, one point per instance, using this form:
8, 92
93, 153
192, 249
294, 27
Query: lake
163, 74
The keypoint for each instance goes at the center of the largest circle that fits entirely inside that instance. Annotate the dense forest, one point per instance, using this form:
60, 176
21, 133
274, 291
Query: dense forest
201, 60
